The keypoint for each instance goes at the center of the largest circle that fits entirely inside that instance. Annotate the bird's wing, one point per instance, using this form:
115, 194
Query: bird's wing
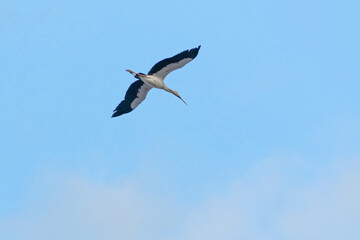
166, 66
133, 97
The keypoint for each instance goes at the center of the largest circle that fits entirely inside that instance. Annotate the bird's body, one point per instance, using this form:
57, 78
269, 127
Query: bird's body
154, 79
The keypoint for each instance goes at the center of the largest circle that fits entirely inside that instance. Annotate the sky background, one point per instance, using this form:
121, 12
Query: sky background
268, 146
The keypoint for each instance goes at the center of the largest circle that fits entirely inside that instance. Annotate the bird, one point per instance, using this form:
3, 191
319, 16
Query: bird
154, 79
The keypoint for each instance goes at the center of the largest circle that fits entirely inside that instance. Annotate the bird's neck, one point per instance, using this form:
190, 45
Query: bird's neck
168, 89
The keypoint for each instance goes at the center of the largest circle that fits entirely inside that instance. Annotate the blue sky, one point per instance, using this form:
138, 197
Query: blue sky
267, 147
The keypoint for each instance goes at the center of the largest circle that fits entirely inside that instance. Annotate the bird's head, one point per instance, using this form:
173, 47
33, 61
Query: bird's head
178, 95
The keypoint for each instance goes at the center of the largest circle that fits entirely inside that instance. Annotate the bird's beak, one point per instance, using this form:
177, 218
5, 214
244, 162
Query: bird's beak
182, 100
176, 94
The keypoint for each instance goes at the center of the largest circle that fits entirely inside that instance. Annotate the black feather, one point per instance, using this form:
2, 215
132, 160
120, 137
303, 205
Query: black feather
131, 94
177, 58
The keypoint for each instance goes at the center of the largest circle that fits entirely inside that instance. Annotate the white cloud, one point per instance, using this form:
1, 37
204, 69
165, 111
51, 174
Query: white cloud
80, 209
275, 200
329, 209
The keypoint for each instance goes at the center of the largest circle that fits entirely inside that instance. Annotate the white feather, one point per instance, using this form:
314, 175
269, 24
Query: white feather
141, 95
171, 67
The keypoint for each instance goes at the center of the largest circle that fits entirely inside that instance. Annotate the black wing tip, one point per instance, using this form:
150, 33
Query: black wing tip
194, 52
116, 114
122, 108
120, 111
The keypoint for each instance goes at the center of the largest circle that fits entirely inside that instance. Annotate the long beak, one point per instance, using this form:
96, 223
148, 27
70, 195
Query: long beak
175, 93
182, 100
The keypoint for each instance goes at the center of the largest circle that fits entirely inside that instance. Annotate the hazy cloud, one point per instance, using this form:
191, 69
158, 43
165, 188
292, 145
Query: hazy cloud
271, 201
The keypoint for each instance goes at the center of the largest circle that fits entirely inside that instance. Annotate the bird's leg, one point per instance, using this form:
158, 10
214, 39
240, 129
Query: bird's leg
132, 72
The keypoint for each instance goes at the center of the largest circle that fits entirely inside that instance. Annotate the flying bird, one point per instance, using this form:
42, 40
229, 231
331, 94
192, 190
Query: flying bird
154, 79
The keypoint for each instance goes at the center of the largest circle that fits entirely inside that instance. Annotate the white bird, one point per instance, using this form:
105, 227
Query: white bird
154, 79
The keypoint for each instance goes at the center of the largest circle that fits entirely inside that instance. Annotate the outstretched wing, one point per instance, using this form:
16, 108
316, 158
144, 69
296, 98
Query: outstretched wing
133, 97
166, 66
